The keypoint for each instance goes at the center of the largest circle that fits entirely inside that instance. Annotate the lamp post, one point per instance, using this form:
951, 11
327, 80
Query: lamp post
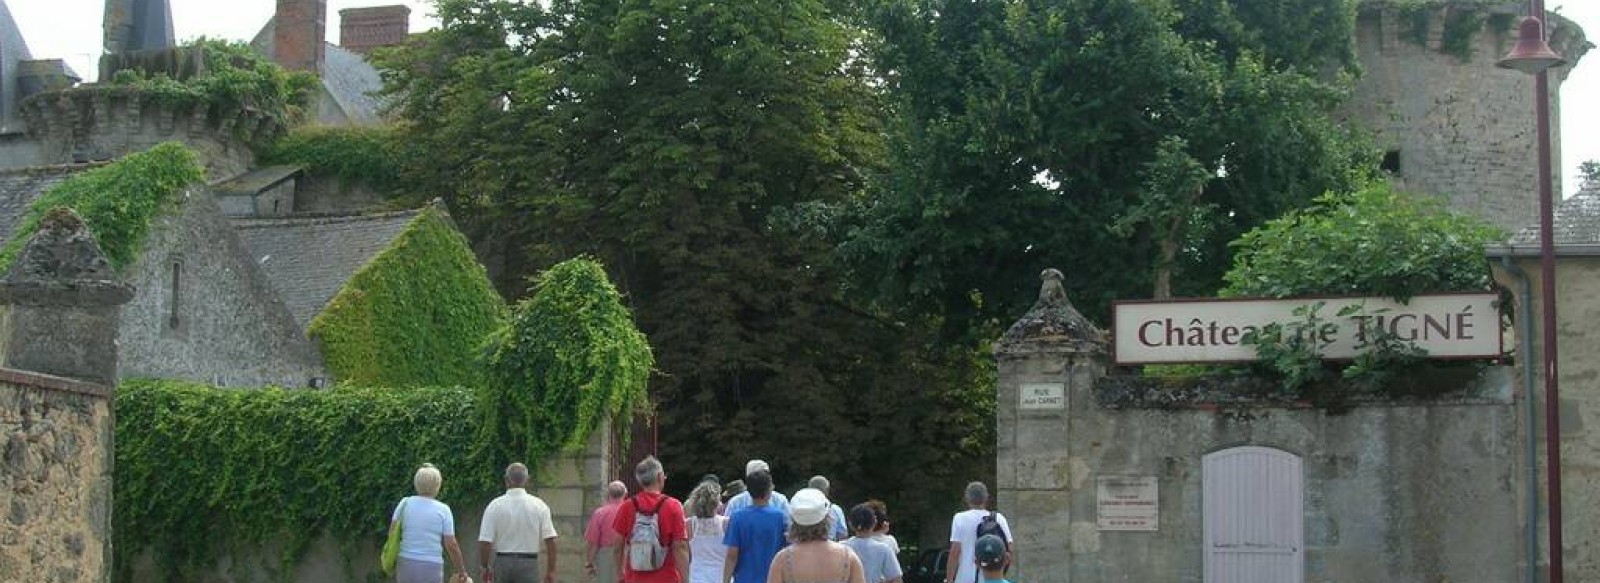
1533, 55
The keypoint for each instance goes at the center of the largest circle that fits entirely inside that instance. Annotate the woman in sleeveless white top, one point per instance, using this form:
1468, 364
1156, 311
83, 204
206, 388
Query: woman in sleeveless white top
706, 551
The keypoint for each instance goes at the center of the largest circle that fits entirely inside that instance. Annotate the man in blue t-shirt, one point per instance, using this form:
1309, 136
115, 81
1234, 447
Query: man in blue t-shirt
755, 534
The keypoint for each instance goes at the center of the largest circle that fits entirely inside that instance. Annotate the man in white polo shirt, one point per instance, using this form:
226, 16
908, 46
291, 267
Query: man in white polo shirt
509, 540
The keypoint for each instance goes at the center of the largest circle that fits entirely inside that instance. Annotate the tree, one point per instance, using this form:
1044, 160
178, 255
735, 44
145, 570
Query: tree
1373, 241
1090, 135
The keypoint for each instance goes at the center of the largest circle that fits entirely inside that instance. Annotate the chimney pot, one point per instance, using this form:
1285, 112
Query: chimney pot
364, 29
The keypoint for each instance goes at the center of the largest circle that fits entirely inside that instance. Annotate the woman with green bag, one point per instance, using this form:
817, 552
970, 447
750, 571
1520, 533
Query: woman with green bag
424, 528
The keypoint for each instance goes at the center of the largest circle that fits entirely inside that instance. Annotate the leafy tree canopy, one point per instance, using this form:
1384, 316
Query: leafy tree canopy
1373, 241
1110, 138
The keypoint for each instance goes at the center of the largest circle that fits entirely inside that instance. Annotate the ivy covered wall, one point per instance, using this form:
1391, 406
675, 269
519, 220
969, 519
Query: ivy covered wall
119, 201
417, 315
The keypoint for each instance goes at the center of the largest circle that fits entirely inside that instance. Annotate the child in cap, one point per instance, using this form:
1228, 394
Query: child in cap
991, 555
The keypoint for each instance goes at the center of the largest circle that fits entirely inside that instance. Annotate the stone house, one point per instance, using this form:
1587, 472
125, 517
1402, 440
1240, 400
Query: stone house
231, 277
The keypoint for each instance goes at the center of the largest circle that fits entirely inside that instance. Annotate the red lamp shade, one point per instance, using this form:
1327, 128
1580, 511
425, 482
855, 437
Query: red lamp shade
1532, 54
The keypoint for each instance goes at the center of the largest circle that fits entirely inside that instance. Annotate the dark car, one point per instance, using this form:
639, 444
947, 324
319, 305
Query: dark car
929, 567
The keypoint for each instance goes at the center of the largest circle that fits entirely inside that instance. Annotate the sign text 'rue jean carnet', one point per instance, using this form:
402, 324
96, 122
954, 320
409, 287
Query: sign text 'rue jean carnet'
1212, 330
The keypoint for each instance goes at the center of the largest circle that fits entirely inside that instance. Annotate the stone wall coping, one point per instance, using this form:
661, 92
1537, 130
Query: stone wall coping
55, 168
303, 219
53, 383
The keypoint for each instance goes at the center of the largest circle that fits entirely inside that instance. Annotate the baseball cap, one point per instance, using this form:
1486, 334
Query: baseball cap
756, 466
809, 507
991, 551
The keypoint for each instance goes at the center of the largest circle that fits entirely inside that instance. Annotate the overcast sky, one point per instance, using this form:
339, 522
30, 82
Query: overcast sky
70, 29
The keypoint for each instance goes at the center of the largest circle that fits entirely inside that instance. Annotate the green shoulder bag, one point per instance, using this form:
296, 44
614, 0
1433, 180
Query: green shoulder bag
391, 547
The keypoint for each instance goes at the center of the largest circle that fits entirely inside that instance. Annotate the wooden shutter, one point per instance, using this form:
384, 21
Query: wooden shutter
1253, 516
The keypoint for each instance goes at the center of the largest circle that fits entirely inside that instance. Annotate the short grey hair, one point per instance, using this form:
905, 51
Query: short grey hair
517, 474
649, 471
977, 494
616, 490
819, 483
428, 480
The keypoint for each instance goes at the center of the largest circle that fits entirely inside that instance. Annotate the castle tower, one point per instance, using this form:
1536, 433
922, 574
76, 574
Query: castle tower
1450, 122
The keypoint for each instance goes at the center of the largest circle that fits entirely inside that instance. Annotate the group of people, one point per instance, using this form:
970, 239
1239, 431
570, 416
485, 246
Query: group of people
744, 533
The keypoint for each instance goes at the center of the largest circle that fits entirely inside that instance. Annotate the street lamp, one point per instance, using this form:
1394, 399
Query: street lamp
1532, 55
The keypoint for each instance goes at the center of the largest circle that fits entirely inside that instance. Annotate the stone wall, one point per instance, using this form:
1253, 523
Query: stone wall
55, 479
220, 324
1463, 129
1578, 308
103, 122
1396, 491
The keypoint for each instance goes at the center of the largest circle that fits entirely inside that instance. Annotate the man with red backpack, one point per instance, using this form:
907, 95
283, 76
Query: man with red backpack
655, 543
966, 528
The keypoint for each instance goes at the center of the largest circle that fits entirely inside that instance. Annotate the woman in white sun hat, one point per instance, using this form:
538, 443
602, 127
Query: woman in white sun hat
810, 556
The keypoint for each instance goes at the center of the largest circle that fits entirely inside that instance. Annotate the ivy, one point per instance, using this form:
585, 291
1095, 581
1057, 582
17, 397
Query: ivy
1461, 28
570, 358
235, 76
416, 315
201, 471
119, 201
366, 155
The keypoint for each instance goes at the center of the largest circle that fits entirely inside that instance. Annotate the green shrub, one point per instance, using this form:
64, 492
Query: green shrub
570, 358
119, 201
1372, 242
365, 155
235, 76
201, 471
416, 315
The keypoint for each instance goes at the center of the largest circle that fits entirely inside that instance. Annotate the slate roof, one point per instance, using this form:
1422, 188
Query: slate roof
1576, 220
255, 181
309, 259
19, 187
348, 78
13, 50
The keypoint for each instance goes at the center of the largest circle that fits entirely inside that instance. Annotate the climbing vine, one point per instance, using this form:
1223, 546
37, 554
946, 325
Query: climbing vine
570, 358
365, 155
119, 201
1461, 28
201, 471
416, 315
234, 76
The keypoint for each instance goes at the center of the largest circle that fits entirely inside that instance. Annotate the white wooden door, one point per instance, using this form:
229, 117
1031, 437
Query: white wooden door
1253, 516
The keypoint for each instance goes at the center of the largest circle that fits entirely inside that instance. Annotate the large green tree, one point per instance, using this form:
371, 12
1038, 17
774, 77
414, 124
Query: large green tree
1124, 141
695, 147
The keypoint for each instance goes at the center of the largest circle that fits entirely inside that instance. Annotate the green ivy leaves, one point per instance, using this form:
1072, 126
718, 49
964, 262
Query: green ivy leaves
202, 471
119, 202
416, 315
570, 358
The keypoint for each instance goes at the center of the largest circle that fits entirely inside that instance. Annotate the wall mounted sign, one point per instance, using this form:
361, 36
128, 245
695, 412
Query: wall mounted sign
1211, 330
1043, 396
1127, 503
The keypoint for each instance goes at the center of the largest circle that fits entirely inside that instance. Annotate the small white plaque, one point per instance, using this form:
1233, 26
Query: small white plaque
1128, 503
1044, 396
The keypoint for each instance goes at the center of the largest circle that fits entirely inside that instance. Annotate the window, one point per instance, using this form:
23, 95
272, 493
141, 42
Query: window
1391, 162
175, 297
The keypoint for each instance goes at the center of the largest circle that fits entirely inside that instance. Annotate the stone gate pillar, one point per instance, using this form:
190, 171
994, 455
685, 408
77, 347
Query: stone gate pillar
64, 303
1048, 362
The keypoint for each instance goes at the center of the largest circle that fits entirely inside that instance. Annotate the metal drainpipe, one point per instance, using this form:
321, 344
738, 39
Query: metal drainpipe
1531, 443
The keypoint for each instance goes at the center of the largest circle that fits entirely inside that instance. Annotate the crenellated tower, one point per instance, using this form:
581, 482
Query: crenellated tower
1451, 123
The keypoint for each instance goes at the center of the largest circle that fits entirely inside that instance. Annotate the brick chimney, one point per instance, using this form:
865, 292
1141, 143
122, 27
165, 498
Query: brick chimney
298, 31
364, 29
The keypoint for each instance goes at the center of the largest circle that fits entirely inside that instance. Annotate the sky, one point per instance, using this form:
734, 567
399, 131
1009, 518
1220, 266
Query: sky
70, 29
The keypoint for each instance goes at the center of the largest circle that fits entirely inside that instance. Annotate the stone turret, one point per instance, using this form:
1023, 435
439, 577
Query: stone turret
1451, 123
64, 303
